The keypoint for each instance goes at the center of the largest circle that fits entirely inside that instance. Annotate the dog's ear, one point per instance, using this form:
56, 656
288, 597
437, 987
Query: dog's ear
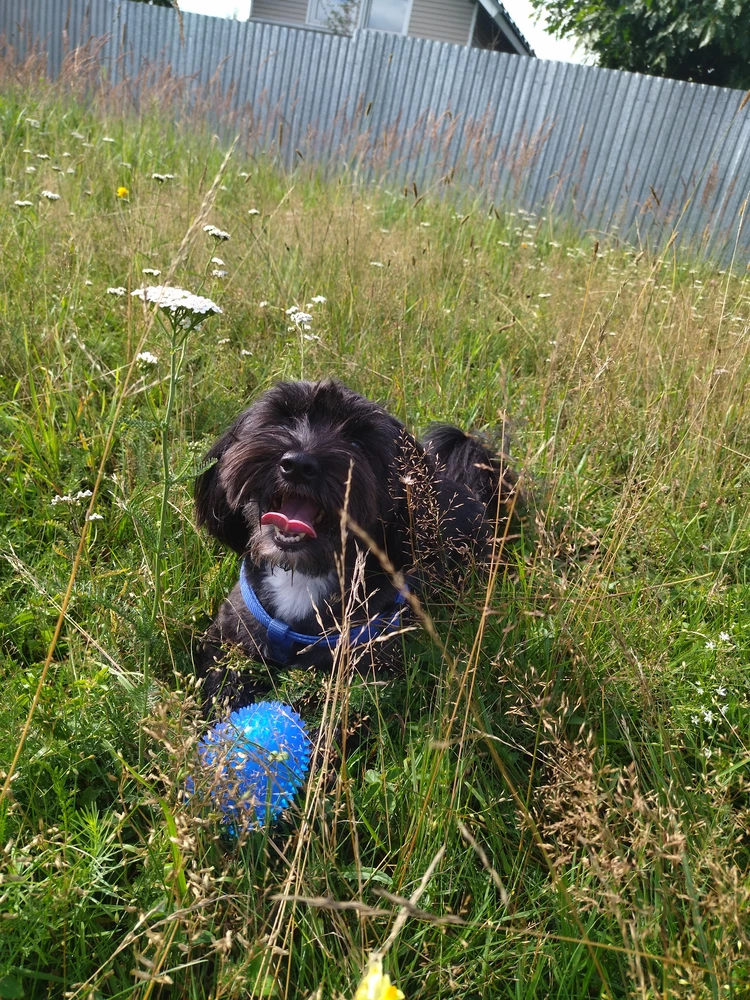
212, 510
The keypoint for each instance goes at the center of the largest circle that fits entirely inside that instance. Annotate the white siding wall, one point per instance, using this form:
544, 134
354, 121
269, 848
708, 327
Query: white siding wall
442, 20
284, 11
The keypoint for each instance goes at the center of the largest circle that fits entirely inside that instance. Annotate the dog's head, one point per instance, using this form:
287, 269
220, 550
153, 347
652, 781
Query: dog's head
288, 466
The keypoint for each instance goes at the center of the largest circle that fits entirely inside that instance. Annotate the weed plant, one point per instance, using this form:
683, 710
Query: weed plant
570, 749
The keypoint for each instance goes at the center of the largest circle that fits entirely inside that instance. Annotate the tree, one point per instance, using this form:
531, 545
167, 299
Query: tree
705, 41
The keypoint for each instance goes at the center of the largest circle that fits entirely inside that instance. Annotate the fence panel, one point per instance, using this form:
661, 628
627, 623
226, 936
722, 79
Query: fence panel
604, 147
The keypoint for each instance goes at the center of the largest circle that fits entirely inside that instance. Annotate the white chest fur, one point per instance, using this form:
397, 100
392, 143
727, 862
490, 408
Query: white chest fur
292, 596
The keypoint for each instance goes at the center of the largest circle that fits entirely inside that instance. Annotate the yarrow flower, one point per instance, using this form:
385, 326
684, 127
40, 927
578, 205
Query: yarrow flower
376, 985
302, 319
177, 300
50, 196
376, 263
95, 517
67, 498
218, 261
147, 359
318, 299
42, 156
253, 211
263, 304
119, 290
218, 234
217, 273
107, 138
162, 177
153, 271
23, 204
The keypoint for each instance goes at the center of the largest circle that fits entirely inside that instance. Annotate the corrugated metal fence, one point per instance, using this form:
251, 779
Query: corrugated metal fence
608, 148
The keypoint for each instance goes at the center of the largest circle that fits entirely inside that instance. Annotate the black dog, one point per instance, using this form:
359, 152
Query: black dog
280, 479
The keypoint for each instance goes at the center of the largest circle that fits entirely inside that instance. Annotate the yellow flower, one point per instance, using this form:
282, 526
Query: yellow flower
122, 192
377, 986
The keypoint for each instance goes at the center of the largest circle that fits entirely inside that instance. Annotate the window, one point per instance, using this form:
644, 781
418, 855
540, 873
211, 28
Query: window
387, 15
341, 16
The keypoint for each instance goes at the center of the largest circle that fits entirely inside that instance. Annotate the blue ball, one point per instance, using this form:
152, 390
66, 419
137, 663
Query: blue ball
257, 761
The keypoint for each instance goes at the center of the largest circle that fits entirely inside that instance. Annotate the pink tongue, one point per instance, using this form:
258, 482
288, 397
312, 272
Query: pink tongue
295, 517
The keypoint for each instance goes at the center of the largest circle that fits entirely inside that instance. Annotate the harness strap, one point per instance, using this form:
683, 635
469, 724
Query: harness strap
281, 637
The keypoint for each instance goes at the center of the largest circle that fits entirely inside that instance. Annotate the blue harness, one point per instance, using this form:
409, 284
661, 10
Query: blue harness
281, 637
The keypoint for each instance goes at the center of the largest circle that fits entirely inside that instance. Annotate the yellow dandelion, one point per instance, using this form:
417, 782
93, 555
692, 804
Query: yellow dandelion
122, 192
377, 985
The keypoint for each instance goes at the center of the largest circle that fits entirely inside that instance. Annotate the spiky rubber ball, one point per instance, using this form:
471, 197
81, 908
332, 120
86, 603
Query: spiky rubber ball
256, 760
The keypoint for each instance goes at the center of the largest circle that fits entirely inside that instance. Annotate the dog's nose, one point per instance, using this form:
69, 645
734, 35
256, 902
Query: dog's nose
299, 467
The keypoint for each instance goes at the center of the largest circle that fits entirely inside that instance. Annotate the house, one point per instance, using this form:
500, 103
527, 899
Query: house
483, 24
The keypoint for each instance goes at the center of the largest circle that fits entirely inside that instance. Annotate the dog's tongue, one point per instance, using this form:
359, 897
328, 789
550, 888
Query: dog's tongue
295, 517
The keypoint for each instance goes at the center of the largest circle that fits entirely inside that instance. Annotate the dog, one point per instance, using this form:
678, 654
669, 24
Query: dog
317, 487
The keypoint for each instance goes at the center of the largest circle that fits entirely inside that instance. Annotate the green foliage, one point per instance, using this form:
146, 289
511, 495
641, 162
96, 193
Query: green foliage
584, 720
698, 40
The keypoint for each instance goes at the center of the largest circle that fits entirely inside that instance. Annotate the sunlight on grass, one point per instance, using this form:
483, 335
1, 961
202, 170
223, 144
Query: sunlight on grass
573, 749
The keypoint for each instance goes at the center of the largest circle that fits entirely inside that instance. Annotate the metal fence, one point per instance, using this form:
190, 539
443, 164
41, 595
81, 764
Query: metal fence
609, 149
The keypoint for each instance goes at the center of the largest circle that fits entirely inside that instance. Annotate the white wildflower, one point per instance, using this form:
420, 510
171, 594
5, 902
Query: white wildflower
218, 234
119, 290
147, 359
263, 304
246, 354
695, 719
318, 299
708, 715
153, 271
253, 211
218, 261
30, 170
224, 340
77, 135
292, 310
724, 636
58, 170
710, 644
310, 336
707, 753
70, 170
376, 263
42, 156
23, 204
50, 196
33, 123
544, 295
88, 282
244, 173
107, 138
218, 273
165, 177
28, 151
723, 709
302, 319
425, 225
721, 691
177, 301
124, 163
385, 230
95, 517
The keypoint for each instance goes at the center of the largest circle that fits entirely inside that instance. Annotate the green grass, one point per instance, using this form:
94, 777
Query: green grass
591, 732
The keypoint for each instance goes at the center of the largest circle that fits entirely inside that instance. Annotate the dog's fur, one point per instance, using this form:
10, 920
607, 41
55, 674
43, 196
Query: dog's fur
320, 448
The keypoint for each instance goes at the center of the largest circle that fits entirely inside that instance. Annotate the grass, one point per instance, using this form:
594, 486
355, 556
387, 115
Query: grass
579, 752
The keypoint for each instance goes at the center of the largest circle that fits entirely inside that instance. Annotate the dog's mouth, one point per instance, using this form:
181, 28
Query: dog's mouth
293, 519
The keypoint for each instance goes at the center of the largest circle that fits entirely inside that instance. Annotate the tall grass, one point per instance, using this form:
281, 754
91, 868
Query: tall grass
575, 741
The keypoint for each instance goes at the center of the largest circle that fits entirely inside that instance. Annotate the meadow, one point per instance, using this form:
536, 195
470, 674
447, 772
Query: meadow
562, 767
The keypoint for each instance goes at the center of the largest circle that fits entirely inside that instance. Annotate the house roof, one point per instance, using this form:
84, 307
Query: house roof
500, 15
